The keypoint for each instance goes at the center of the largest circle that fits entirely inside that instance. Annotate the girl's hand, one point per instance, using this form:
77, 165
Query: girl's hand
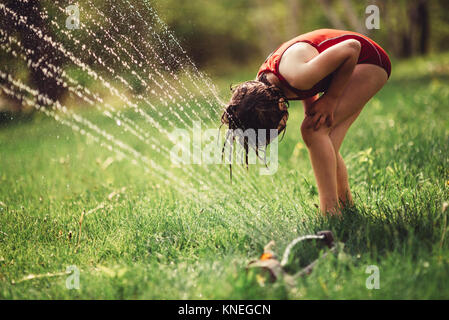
322, 112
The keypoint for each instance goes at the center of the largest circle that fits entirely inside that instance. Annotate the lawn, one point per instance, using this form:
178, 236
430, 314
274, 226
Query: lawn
66, 202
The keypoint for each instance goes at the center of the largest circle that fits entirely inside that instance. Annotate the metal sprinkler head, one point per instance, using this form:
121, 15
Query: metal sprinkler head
268, 262
328, 238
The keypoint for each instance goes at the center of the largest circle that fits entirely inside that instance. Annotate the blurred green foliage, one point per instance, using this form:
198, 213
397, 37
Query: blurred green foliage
225, 33
124, 41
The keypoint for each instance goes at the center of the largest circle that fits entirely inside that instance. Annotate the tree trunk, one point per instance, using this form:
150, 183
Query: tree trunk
424, 26
417, 37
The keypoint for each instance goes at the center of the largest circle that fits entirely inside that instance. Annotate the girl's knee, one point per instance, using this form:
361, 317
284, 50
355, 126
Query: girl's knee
310, 135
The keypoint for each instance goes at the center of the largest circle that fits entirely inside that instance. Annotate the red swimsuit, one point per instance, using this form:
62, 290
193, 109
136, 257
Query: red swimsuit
321, 40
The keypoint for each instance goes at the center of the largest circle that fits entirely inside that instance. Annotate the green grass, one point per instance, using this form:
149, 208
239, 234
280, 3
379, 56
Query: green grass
150, 241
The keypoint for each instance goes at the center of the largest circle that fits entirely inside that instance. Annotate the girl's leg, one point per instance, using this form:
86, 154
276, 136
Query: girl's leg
343, 190
337, 135
330, 172
324, 164
350, 109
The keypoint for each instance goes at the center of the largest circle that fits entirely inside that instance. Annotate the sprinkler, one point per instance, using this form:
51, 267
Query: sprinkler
269, 263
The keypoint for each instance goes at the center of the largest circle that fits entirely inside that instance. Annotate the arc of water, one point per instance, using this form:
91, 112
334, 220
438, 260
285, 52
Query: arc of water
152, 49
73, 86
140, 37
164, 45
206, 81
87, 70
84, 67
76, 127
143, 60
148, 164
191, 176
79, 119
111, 51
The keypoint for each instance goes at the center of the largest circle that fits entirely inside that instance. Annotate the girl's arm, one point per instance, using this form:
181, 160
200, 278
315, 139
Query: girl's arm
303, 75
340, 59
308, 103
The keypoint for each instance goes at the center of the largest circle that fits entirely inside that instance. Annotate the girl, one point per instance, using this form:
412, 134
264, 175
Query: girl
347, 67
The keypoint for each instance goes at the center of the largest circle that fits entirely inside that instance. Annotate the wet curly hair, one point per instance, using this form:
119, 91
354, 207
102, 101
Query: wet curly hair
254, 105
